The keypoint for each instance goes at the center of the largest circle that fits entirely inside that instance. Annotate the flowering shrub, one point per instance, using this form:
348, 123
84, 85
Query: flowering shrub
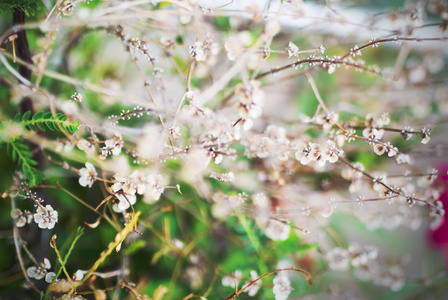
222, 149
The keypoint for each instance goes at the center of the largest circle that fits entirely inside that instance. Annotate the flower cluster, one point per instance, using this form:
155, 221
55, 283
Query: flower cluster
308, 152
125, 189
112, 146
340, 259
250, 102
282, 287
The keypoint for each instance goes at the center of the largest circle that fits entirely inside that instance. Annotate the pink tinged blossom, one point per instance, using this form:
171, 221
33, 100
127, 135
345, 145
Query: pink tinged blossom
88, 175
46, 217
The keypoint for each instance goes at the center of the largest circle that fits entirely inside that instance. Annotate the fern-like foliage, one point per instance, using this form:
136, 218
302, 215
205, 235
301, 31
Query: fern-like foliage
11, 132
30, 7
21, 153
46, 120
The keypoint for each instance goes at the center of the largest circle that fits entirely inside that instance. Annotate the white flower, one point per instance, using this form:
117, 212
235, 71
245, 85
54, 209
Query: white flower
235, 44
50, 276
277, 231
232, 280
21, 218
197, 51
282, 287
327, 121
253, 289
338, 259
379, 149
86, 146
360, 257
46, 217
35, 272
332, 153
250, 100
125, 193
88, 175
303, 153
154, 188
292, 49
79, 275
174, 132
113, 145
40, 271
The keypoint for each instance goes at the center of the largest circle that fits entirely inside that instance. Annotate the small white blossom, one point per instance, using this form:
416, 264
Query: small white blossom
88, 175
327, 120
50, 276
253, 289
113, 145
79, 275
155, 189
86, 146
338, 259
250, 100
21, 218
40, 271
46, 217
292, 49
282, 287
303, 153
223, 177
232, 280
197, 51
277, 231
174, 132
379, 149
76, 97
425, 135
124, 191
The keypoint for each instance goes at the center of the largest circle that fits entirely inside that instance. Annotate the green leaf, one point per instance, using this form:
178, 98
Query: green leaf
50, 125
135, 246
38, 115
43, 120
30, 7
26, 116
14, 155
24, 159
41, 126
32, 127
17, 118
